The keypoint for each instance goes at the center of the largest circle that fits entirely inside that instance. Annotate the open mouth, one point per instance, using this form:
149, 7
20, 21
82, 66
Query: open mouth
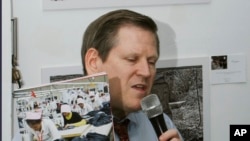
140, 87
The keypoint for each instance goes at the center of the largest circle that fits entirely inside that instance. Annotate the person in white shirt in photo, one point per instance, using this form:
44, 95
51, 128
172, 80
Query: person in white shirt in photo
41, 129
95, 101
104, 97
83, 107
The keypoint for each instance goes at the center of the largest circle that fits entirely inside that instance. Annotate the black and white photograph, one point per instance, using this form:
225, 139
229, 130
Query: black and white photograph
181, 88
180, 92
219, 62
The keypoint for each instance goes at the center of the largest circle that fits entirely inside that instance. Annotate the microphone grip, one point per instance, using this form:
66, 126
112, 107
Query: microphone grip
159, 124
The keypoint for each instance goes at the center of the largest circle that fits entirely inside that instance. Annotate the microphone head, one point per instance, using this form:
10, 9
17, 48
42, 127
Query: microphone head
151, 106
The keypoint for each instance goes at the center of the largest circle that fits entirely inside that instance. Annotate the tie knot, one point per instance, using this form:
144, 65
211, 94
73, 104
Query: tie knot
121, 129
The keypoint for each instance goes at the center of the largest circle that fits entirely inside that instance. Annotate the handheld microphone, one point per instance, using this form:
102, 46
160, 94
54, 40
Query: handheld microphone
152, 107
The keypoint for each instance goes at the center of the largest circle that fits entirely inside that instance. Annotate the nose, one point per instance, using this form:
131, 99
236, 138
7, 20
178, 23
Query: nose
144, 69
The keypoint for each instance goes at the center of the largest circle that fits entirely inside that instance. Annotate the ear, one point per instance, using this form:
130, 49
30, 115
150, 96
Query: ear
92, 61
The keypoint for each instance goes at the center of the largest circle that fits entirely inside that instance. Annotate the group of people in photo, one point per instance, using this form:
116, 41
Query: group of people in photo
71, 108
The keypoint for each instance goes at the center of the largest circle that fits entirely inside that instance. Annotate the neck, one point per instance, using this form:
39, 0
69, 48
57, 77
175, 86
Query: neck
119, 114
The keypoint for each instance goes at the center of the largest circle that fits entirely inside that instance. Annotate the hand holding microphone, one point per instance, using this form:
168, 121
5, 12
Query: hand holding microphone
152, 107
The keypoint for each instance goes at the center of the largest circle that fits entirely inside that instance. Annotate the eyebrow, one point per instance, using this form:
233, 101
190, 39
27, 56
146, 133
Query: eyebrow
155, 57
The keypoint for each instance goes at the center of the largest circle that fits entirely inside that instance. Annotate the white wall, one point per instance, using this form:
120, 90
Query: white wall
53, 38
6, 71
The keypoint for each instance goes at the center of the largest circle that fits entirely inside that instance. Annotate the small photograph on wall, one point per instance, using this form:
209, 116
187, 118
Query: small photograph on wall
180, 92
72, 108
219, 62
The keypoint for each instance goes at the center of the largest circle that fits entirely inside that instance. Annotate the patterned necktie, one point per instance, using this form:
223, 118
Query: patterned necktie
121, 129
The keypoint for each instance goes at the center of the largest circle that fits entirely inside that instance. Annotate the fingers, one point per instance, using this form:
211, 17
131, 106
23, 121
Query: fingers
170, 135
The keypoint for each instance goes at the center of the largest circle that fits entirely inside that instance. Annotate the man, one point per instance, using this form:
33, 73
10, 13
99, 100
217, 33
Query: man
125, 45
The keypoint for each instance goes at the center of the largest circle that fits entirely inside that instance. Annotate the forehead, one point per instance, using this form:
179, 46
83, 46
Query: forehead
129, 28
137, 39
134, 28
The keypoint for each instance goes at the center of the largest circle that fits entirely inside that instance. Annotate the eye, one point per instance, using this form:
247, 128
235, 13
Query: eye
152, 62
131, 59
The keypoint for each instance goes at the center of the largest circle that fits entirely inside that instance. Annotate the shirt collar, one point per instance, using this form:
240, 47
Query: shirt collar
133, 118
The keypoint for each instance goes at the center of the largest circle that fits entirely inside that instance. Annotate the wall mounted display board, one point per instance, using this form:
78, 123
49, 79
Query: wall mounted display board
77, 4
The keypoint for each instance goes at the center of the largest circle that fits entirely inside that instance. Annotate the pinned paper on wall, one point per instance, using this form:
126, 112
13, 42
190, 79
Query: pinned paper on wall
228, 69
79, 4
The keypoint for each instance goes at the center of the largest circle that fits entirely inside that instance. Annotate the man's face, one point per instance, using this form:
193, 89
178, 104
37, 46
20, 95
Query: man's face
131, 68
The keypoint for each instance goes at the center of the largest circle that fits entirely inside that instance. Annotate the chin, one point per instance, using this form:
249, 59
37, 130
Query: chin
132, 105
136, 107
